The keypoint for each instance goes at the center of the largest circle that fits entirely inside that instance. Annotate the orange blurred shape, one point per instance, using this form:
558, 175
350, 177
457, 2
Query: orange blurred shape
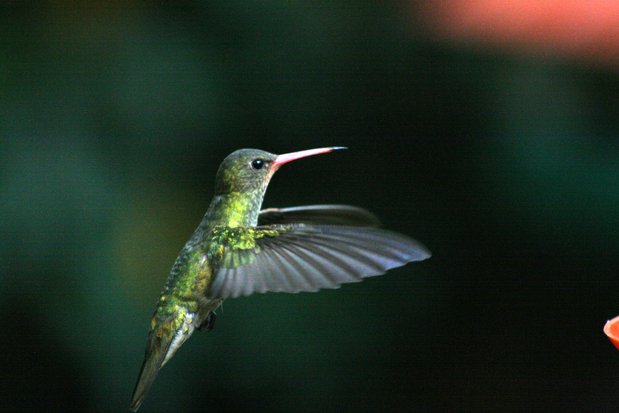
611, 329
581, 28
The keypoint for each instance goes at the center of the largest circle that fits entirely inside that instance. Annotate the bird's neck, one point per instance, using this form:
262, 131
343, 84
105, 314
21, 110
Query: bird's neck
234, 209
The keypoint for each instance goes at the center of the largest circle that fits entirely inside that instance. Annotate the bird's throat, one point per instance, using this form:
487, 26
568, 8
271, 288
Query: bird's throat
234, 210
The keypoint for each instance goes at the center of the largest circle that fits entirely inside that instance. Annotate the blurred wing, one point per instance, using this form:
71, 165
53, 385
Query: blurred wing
319, 214
294, 258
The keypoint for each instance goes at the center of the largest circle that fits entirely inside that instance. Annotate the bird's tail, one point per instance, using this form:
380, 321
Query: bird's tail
159, 349
156, 351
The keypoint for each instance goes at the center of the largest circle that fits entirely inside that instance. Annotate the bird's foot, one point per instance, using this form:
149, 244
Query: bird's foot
208, 323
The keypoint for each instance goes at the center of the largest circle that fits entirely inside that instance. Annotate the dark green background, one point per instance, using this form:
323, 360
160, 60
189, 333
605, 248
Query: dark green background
115, 116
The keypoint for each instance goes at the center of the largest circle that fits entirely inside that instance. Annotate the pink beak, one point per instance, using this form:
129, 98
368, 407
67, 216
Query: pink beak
293, 156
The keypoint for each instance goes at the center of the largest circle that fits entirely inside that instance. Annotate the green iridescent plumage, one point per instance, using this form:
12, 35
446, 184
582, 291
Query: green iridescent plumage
239, 250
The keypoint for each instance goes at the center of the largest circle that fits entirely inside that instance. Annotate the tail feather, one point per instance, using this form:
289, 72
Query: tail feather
163, 342
156, 352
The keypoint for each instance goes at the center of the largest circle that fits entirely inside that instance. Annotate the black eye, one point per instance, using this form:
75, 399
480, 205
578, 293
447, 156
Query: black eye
257, 163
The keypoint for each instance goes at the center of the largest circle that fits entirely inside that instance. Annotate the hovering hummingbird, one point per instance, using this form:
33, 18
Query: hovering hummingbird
238, 250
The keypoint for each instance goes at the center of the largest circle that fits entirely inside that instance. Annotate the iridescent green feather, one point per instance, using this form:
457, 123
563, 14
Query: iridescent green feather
238, 246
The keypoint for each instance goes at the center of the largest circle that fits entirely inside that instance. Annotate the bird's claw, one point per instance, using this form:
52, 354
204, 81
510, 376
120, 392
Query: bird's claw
208, 323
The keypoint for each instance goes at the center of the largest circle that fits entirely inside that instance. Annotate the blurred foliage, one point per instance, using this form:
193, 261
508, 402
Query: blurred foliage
117, 114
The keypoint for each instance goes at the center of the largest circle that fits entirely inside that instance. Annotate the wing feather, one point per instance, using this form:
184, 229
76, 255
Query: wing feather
294, 258
319, 214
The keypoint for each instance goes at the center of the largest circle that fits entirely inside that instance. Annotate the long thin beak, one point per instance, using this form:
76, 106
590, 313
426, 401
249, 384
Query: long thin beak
293, 156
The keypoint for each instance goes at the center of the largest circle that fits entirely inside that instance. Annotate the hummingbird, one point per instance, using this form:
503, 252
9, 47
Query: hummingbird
239, 249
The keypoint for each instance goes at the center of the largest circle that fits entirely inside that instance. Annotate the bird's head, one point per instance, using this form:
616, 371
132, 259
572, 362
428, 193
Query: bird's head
250, 170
